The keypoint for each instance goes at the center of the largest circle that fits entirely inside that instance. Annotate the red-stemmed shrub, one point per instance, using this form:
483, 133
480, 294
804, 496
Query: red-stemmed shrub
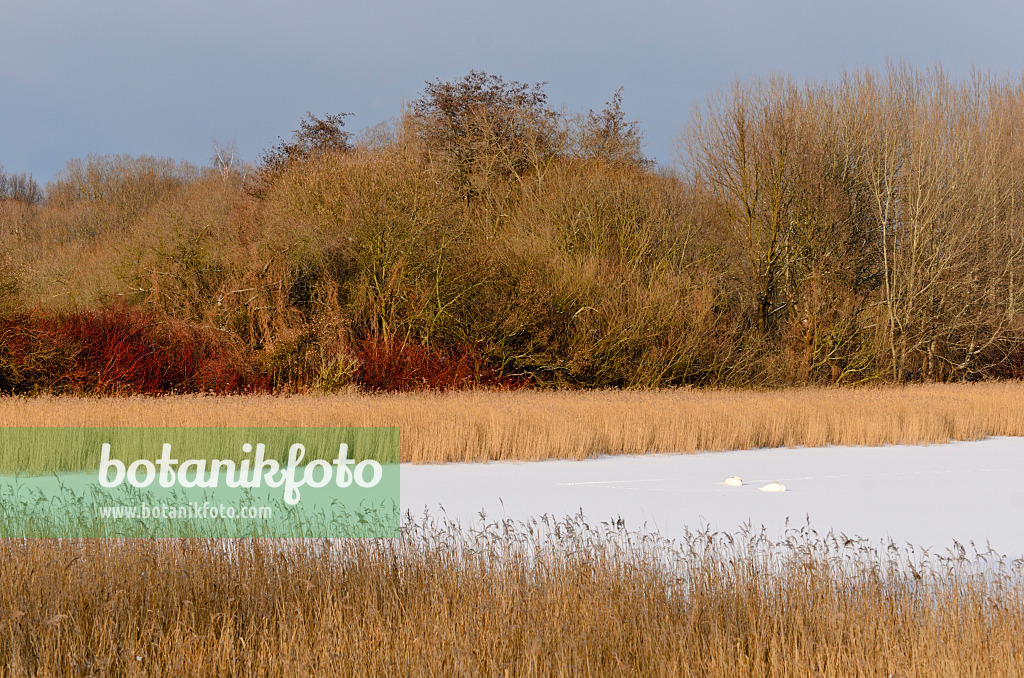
119, 350
390, 365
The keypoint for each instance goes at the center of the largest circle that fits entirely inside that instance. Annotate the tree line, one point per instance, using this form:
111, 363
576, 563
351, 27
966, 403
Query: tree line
863, 229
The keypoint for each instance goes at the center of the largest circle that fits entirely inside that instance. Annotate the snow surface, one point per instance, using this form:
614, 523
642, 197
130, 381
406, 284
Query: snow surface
924, 495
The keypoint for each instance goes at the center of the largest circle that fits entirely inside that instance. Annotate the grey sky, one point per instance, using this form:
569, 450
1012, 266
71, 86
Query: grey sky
126, 76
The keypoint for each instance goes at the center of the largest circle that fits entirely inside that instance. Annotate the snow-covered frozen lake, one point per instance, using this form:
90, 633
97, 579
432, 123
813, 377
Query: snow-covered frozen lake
925, 495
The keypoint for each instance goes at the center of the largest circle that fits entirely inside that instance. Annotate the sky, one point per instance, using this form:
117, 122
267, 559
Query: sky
170, 79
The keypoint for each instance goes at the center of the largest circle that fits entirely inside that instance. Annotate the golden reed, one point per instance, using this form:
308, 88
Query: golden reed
532, 425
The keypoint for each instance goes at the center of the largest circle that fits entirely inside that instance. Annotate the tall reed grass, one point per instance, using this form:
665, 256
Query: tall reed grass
547, 597
486, 425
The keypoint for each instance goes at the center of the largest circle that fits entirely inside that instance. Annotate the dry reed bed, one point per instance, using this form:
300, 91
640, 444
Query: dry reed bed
543, 598
533, 425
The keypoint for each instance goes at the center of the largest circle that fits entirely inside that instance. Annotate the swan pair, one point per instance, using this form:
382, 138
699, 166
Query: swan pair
736, 481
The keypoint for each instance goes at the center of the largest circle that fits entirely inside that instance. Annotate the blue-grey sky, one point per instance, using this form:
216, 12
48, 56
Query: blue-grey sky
130, 76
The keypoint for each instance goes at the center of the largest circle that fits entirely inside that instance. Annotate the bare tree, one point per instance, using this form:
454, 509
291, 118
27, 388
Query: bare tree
610, 136
743, 147
225, 159
487, 128
21, 187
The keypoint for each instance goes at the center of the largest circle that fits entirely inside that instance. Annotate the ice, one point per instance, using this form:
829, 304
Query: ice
924, 495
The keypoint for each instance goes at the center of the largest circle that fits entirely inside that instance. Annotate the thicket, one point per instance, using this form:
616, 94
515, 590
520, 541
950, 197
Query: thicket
118, 351
861, 230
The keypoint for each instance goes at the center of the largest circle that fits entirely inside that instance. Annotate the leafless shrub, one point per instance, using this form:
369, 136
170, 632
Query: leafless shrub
21, 187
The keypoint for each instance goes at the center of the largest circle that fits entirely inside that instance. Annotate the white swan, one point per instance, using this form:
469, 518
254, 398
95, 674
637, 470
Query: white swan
773, 487
734, 481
